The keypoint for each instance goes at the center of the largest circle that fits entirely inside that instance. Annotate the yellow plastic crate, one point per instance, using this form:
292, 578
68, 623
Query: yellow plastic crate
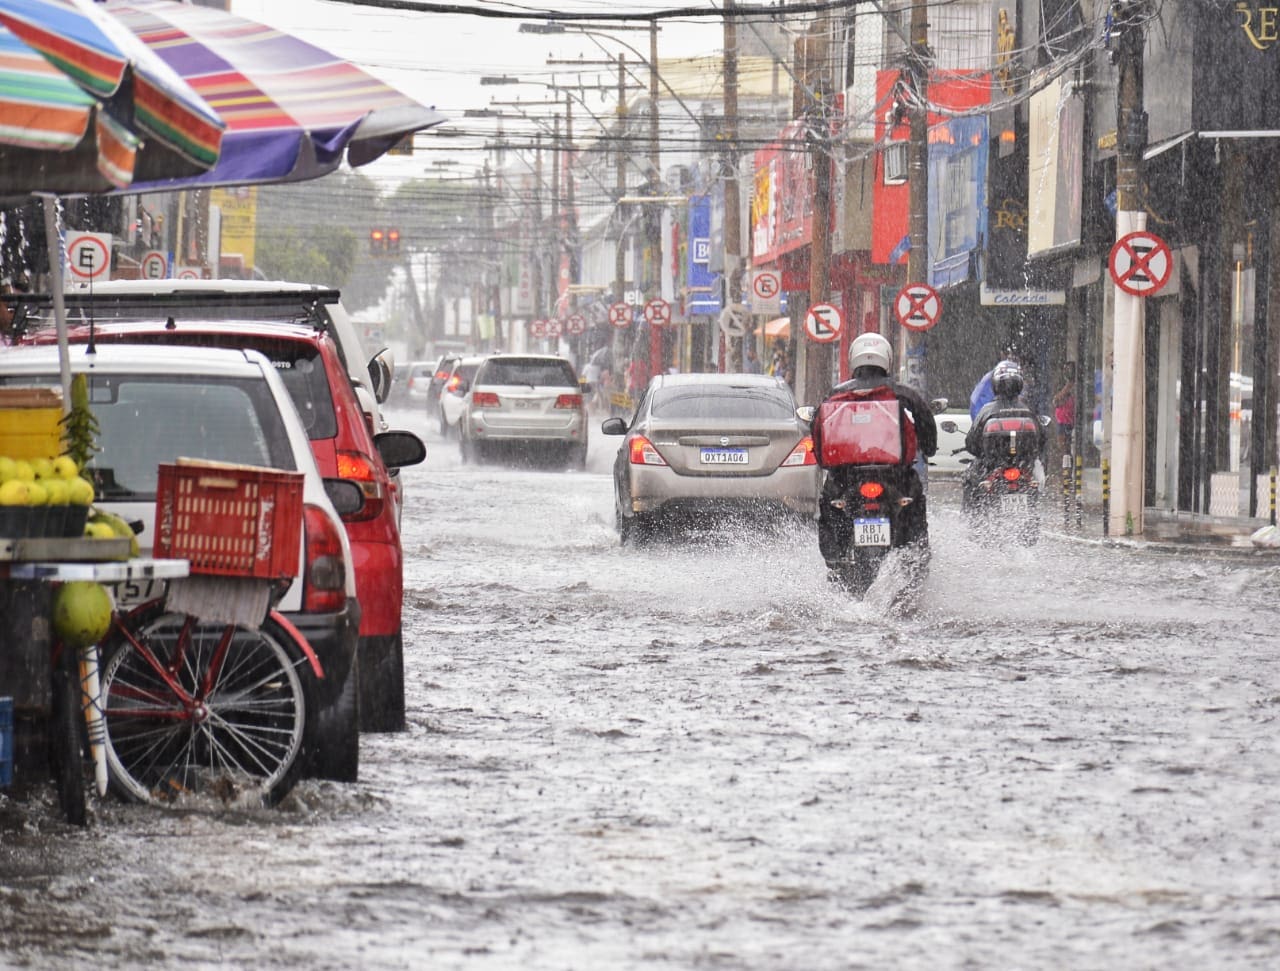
30, 423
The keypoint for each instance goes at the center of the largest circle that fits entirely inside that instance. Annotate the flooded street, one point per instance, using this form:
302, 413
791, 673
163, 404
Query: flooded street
699, 755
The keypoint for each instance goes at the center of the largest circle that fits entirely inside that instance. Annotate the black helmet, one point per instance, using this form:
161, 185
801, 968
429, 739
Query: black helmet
1006, 379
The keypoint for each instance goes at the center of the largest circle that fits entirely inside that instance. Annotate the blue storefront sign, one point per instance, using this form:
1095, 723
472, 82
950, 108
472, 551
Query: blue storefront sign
703, 284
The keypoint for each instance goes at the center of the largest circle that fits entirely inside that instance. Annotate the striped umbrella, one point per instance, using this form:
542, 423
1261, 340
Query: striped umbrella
83, 103
293, 111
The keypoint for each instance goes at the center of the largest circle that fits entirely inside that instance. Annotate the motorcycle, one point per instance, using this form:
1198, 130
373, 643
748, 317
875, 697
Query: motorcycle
1001, 488
871, 504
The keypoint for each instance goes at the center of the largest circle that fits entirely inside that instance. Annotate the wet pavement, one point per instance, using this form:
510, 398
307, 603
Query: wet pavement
699, 755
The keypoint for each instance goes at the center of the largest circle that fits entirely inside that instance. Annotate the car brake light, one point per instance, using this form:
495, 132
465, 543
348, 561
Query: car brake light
484, 399
324, 577
1012, 474
453, 383
871, 490
642, 452
569, 401
802, 454
359, 468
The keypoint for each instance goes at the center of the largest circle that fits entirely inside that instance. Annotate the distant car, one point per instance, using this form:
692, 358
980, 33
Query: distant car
439, 375
711, 447
453, 392
532, 401
154, 404
953, 424
413, 382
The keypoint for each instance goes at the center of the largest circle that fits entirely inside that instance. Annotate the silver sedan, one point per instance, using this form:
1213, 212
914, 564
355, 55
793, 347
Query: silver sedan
710, 447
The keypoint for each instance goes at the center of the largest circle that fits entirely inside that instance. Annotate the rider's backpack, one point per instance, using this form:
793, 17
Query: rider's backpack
1010, 435
864, 427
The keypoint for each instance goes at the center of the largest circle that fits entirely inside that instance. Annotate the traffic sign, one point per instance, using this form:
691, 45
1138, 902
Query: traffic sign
89, 256
823, 323
189, 273
576, 324
155, 265
917, 306
658, 312
620, 315
733, 320
1140, 263
554, 328
538, 328
766, 291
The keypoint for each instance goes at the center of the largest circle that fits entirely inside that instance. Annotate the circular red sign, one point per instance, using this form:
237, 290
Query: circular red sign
917, 306
576, 324
823, 323
620, 315
554, 327
658, 312
538, 328
1140, 263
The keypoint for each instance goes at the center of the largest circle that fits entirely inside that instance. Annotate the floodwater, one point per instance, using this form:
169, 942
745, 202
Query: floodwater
699, 755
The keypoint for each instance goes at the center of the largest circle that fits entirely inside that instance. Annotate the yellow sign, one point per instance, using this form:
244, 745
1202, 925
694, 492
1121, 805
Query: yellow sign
239, 207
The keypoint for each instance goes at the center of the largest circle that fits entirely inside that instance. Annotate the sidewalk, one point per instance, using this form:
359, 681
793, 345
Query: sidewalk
1163, 530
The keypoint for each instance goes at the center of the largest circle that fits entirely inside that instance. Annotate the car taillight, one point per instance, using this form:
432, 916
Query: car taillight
453, 383
871, 490
324, 580
484, 399
573, 401
642, 452
802, 454
1012, 474
359, 468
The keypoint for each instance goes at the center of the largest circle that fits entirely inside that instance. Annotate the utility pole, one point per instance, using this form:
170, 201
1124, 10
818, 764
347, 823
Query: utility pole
654, 210
570, 205
816, 358
493, 269
1128, 434
620, 257
732, 203
539, 284
912, 366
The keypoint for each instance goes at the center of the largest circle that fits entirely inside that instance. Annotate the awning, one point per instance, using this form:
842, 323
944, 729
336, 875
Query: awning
778, 327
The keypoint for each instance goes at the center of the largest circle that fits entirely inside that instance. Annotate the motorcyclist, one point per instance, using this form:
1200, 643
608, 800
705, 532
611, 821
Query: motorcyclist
870, 360
1007, 384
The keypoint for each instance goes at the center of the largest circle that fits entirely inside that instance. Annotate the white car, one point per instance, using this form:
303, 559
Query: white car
454, 393
951, 457
155, 404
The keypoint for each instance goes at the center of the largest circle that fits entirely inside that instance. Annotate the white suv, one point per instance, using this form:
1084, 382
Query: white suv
154, 404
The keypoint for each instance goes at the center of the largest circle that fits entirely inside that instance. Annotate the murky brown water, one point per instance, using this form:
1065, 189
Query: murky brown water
699, 756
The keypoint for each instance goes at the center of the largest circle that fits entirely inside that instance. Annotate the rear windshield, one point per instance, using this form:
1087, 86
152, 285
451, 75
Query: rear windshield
298, 363
146, 420
533, 371
720, 401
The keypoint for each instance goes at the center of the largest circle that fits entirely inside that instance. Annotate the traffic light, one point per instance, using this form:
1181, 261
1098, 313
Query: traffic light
377, 241
393, 241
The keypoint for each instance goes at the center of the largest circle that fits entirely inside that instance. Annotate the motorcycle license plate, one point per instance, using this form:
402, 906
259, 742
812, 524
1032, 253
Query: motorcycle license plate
723, 456
871, 532
1013, 504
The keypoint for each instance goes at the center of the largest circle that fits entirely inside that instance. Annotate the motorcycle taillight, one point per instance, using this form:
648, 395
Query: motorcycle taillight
1012, 474
871, 490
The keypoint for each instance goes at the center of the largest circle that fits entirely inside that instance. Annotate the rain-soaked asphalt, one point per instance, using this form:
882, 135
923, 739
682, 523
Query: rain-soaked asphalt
700, 756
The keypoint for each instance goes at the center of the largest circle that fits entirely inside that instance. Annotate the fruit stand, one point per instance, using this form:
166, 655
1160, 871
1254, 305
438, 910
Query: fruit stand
51, 544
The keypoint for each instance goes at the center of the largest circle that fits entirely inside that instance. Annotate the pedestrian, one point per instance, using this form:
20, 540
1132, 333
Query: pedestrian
750, 359
1064, 408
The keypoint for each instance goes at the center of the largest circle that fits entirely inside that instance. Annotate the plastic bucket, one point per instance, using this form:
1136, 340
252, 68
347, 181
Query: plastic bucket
6, 741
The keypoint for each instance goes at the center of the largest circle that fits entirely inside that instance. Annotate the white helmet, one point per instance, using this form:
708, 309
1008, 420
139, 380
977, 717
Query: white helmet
870, 350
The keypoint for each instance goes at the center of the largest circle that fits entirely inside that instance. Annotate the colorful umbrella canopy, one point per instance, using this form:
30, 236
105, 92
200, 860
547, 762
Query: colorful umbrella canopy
83, 102
292, 110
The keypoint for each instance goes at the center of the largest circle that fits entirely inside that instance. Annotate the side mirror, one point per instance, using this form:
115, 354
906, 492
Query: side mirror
1044, 420
948, 426
381, 371
613, 426
399, 449
345, 495
805, 413
939, 404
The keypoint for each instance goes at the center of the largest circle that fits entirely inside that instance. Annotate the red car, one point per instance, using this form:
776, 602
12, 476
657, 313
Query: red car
307, 358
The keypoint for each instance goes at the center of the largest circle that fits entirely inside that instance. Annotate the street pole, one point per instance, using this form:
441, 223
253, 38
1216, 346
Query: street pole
1128, 434
912, 369
620, 159
732, 203
816, 358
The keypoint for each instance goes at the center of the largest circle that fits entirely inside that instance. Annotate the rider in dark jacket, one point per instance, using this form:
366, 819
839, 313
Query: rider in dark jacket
870, 358
1007, 382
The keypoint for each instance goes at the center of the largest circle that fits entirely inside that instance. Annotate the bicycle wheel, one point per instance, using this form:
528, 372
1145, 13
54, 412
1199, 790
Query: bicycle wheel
198, 708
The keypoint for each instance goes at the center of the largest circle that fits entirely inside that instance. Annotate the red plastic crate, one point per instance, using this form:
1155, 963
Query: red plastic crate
229, 520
